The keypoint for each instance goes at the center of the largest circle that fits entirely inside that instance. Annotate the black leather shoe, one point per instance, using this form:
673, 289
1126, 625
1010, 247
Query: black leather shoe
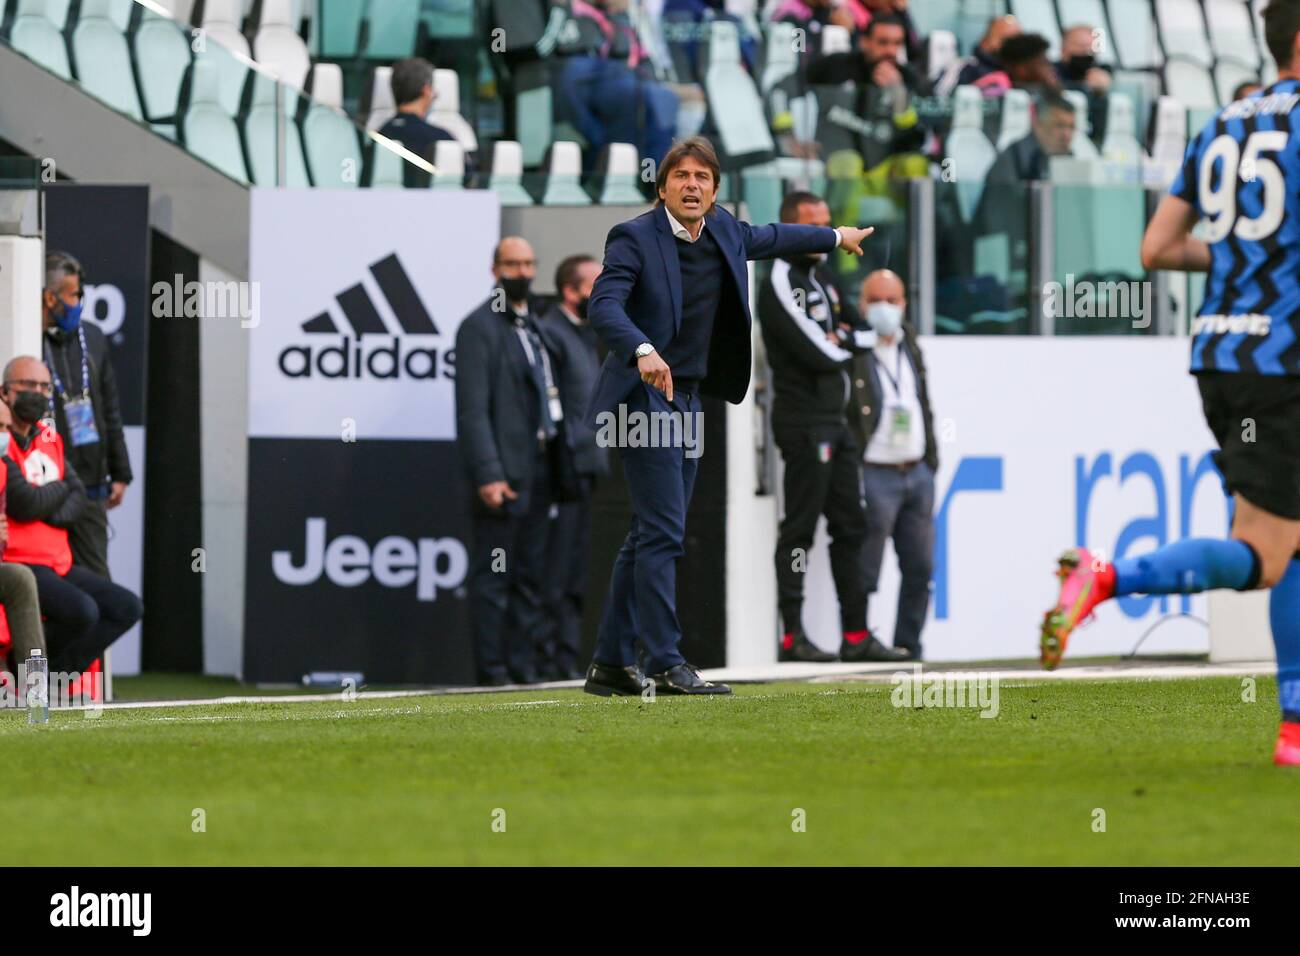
604, 680
802, 649
871, 650
685, 679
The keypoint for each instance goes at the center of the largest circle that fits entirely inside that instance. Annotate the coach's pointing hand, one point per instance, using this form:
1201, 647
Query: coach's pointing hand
655, 371
851, 238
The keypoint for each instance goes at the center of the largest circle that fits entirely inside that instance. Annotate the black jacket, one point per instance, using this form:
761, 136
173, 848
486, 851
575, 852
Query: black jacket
577, 363
107, 459
797, 306
497, 406
58, 503
867, 392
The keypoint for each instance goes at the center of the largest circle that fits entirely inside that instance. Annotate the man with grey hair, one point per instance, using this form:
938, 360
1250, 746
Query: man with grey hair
84, 406
413, 93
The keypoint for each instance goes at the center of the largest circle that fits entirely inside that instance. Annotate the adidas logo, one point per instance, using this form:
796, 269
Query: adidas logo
349, 356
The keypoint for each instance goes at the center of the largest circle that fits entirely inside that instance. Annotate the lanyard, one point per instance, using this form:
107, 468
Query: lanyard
898, 372
85, 369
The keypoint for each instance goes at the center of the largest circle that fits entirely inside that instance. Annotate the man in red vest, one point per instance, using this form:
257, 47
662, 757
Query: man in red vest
84, 612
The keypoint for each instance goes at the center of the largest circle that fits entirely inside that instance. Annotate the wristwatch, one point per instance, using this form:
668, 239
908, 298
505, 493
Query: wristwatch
644, 349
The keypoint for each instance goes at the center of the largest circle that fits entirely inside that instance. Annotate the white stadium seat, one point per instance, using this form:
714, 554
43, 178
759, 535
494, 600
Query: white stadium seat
621, 170
277, 45
449, 160
1017, 118
1082, 146
969, 147
1182, 30
564, 177
506, 178
446, 109
209, 131
37, 37
104, 60
382, 107
224, 47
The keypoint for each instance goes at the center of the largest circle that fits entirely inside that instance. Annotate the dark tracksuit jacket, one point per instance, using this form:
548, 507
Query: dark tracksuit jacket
797, 305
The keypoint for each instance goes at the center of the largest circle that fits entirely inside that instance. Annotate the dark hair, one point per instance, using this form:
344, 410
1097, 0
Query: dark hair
1051, 100
409, 79
1240, 92
566, 274
697, 147
1022, 48
59, 265
1281, 24
792, 201
884, 20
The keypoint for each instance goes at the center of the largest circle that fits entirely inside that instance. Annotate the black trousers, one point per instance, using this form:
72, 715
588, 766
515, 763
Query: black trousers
823, 476
84, 613
89, 538
566, 583
506, 582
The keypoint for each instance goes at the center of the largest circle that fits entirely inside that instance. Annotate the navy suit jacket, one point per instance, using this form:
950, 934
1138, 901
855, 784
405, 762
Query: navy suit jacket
638, 298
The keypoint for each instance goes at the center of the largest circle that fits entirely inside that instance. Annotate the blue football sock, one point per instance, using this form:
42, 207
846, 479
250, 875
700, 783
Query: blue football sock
1284, 616
1188, 567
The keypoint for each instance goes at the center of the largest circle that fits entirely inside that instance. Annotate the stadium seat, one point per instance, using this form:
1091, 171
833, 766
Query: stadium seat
327, 85
931, 15
278, 47
564, 177
225, 46
1182, 30
329, 138
208, 130
781, 58
449, 160
1082, 146
336, 29
382, 108
182, 11
260, 134
391, 28
446, 109
1168, 142
386, 165
1039, 16
1136, 43
1228, 75
1016, 122
836, 39
966, 141
506, 178
1121, 144
943, 52
35, 35
99, 48
56, 11
1230, 31
449, 19
620, 175
1192, 84
162, 55
734, 103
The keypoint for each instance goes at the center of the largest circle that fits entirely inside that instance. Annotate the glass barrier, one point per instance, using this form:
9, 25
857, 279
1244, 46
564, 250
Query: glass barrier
20, 172
1098, 285
215, 102
982, 258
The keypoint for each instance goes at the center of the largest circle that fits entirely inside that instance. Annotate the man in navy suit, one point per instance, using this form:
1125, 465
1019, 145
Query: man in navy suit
672, 305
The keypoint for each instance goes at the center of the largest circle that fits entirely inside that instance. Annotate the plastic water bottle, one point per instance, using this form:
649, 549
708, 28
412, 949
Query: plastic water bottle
38, 688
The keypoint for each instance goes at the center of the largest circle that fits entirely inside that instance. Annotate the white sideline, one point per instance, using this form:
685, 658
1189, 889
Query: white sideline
815, 673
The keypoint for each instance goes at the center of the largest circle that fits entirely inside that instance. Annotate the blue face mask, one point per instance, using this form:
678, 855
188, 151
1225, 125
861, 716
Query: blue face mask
70, 317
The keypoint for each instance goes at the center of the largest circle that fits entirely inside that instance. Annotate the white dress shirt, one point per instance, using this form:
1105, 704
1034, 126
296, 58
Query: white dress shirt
897, 388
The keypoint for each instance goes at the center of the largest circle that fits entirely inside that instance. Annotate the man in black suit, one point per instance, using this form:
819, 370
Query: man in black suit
508, 421
573, 344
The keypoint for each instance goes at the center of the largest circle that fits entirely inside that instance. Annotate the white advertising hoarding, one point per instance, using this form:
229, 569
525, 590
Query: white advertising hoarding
1045, 444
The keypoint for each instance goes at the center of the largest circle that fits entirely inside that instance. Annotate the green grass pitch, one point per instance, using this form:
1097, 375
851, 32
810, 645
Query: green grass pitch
1181, 769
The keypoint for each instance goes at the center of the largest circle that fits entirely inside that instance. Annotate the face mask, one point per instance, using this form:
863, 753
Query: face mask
1077, 67
516, 289
582, 307
28, 407
70, 318
4, 444
885, 317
